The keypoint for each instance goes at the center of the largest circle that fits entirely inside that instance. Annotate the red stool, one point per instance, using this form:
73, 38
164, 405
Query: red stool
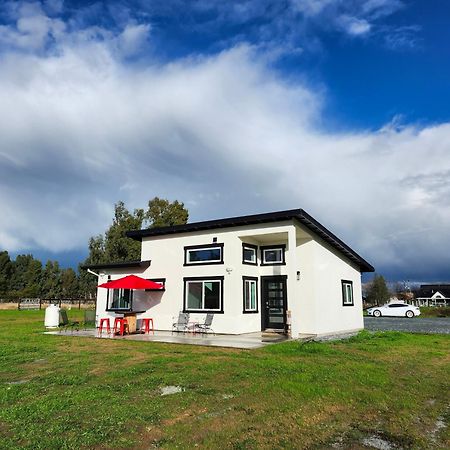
146, 325
104, 321
120, 325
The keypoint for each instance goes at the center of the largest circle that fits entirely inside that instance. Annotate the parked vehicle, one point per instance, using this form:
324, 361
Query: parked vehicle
394, 310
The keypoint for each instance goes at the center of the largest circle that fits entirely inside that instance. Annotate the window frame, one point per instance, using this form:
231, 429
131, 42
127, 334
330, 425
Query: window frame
108, 308
246, 279
157, 280
251, 247
345, 283
281, 247
204, 279
202, 247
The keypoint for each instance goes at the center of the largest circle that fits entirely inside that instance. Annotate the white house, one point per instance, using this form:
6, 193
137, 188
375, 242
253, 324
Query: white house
433, 295
280, 271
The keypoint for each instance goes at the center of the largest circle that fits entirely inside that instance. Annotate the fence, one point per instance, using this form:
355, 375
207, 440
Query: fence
39, 303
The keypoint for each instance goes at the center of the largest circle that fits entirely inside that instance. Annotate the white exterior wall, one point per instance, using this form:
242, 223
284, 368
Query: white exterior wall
330, 314
315, 301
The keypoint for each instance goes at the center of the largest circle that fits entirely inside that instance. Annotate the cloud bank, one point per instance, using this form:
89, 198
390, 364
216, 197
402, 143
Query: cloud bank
82, 128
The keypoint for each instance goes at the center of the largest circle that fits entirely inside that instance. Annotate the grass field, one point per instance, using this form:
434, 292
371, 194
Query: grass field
68, 392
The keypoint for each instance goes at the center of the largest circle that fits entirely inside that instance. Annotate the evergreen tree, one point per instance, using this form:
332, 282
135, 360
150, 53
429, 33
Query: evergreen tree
6, 271
26, 277
69, 283
51, 280
378, 292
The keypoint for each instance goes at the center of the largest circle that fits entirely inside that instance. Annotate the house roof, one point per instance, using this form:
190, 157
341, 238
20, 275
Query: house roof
428, 290
117, 265
297, 214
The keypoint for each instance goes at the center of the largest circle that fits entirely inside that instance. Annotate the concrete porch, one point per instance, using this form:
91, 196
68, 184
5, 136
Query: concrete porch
242, 341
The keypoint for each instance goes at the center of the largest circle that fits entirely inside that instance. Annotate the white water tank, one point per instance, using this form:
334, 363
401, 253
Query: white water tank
52, 316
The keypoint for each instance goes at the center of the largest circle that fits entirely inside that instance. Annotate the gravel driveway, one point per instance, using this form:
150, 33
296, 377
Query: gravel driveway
416, 325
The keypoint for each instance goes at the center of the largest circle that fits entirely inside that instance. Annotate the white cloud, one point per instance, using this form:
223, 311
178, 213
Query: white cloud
354, 26
81, 130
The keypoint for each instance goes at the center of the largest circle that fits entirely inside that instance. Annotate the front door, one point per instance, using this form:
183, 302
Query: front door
273, 302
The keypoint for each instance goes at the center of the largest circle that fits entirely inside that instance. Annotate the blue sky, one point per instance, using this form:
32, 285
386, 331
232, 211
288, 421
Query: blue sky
102, 101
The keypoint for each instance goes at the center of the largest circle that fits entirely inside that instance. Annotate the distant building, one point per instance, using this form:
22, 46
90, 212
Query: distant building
433, 295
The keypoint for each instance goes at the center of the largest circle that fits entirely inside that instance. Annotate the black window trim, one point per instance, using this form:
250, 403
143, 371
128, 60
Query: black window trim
244, 279
157, 280
254, 247
343, 283
119, 309
203, 311
273, 247
198, 247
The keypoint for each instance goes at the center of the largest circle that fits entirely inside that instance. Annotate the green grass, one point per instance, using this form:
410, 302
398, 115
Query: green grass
71, 392
433, 311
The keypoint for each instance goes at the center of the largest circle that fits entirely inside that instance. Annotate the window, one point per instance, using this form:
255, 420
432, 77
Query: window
347, 293
119, 299
203, 254
203, 294
250, 285
273, 255
249, 254
157, 280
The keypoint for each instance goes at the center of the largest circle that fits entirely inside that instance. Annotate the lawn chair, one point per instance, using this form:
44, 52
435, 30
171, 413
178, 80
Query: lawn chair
89, 319
182, 323
206, 325
64, 321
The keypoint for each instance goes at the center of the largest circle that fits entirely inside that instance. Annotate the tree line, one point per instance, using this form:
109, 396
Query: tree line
26, 276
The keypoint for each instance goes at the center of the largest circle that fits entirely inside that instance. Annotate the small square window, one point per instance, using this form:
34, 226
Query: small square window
347, 293
273, 255
249, 254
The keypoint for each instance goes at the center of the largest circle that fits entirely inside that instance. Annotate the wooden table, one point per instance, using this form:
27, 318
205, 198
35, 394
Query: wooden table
131, 317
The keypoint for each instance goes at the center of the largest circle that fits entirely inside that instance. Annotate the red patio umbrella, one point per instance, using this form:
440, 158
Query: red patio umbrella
131, 282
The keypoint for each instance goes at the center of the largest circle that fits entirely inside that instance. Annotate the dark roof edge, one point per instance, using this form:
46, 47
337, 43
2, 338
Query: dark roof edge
315, 226
299, 214
116, 265
217, 223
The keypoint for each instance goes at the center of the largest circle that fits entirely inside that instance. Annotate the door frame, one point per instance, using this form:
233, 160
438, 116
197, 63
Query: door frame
283, 279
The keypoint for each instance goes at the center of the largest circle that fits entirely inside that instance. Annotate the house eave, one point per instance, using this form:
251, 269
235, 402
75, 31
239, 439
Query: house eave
293, 214
118, 265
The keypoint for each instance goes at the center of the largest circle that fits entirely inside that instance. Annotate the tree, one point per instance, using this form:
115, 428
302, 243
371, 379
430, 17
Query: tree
114, 246
51, 280
6, 271
378, 292
26, 279
117, 246
69, 283
163, 213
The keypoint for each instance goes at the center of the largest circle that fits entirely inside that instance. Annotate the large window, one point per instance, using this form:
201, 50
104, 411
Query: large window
203, 294
273, 255
249, 254
347, 293
250, 285
119, 299
203, 254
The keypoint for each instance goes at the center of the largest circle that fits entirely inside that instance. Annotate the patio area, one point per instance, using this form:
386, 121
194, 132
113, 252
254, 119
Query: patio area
242, 341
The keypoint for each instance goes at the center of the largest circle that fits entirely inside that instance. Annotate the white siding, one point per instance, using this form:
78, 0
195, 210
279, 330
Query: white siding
315, 300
